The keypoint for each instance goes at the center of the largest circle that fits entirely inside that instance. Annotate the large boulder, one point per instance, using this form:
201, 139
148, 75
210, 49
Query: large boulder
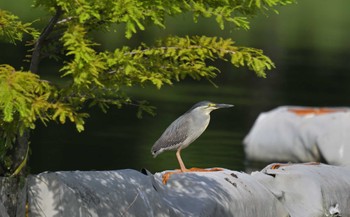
295, 190
131, 193
309, 190
300, 134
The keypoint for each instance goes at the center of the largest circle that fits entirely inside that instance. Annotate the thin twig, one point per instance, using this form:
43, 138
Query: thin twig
132, 203
65, 20
172, 47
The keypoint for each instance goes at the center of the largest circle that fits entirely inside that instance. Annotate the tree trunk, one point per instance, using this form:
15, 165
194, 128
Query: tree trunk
21, 145
13, 189
19, 152
12, 197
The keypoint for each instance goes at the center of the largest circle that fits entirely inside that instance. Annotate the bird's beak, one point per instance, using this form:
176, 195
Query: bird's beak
223, 106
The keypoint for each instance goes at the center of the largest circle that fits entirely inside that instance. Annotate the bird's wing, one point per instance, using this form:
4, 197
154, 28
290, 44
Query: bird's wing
174, 135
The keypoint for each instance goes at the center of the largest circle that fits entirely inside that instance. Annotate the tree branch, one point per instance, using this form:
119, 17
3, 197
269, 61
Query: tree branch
34, 63
20, 152
227, 51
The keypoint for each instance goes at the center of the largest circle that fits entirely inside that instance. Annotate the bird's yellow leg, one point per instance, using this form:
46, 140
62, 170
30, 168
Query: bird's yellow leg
182, 169
193, 169
179, 159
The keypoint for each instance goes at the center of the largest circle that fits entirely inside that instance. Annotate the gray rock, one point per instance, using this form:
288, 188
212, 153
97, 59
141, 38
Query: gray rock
296, 190
309, 190
131, 193
281, 135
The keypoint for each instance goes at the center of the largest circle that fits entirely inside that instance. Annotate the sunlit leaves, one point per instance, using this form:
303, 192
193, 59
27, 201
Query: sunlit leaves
137, 15
254, 59
86, 64
99, 76
24, 99
176, 58
12, 29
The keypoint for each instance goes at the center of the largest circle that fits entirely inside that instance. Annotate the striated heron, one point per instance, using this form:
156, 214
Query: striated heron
183, 131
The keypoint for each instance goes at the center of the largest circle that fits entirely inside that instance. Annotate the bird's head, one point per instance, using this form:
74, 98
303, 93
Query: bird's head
207, 107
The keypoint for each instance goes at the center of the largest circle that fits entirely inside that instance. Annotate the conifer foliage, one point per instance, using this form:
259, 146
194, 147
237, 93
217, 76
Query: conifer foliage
98, 77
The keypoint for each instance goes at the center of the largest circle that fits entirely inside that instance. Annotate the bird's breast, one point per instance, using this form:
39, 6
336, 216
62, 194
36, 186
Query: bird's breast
197, 127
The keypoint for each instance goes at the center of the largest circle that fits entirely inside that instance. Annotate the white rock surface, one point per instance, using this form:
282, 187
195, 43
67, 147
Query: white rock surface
295, 190
225, 193
282, 135
130, 193
309, 190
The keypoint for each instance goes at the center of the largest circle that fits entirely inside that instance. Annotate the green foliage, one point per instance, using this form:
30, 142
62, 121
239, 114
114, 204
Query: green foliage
175, 58
138, 14
98, 77
24, 99
12, 29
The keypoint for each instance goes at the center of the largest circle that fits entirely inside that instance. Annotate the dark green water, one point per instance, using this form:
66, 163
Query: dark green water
118, 139
308, 42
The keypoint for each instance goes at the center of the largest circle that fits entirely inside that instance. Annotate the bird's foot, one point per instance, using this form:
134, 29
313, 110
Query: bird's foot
167, 175
195, 169
278, 165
